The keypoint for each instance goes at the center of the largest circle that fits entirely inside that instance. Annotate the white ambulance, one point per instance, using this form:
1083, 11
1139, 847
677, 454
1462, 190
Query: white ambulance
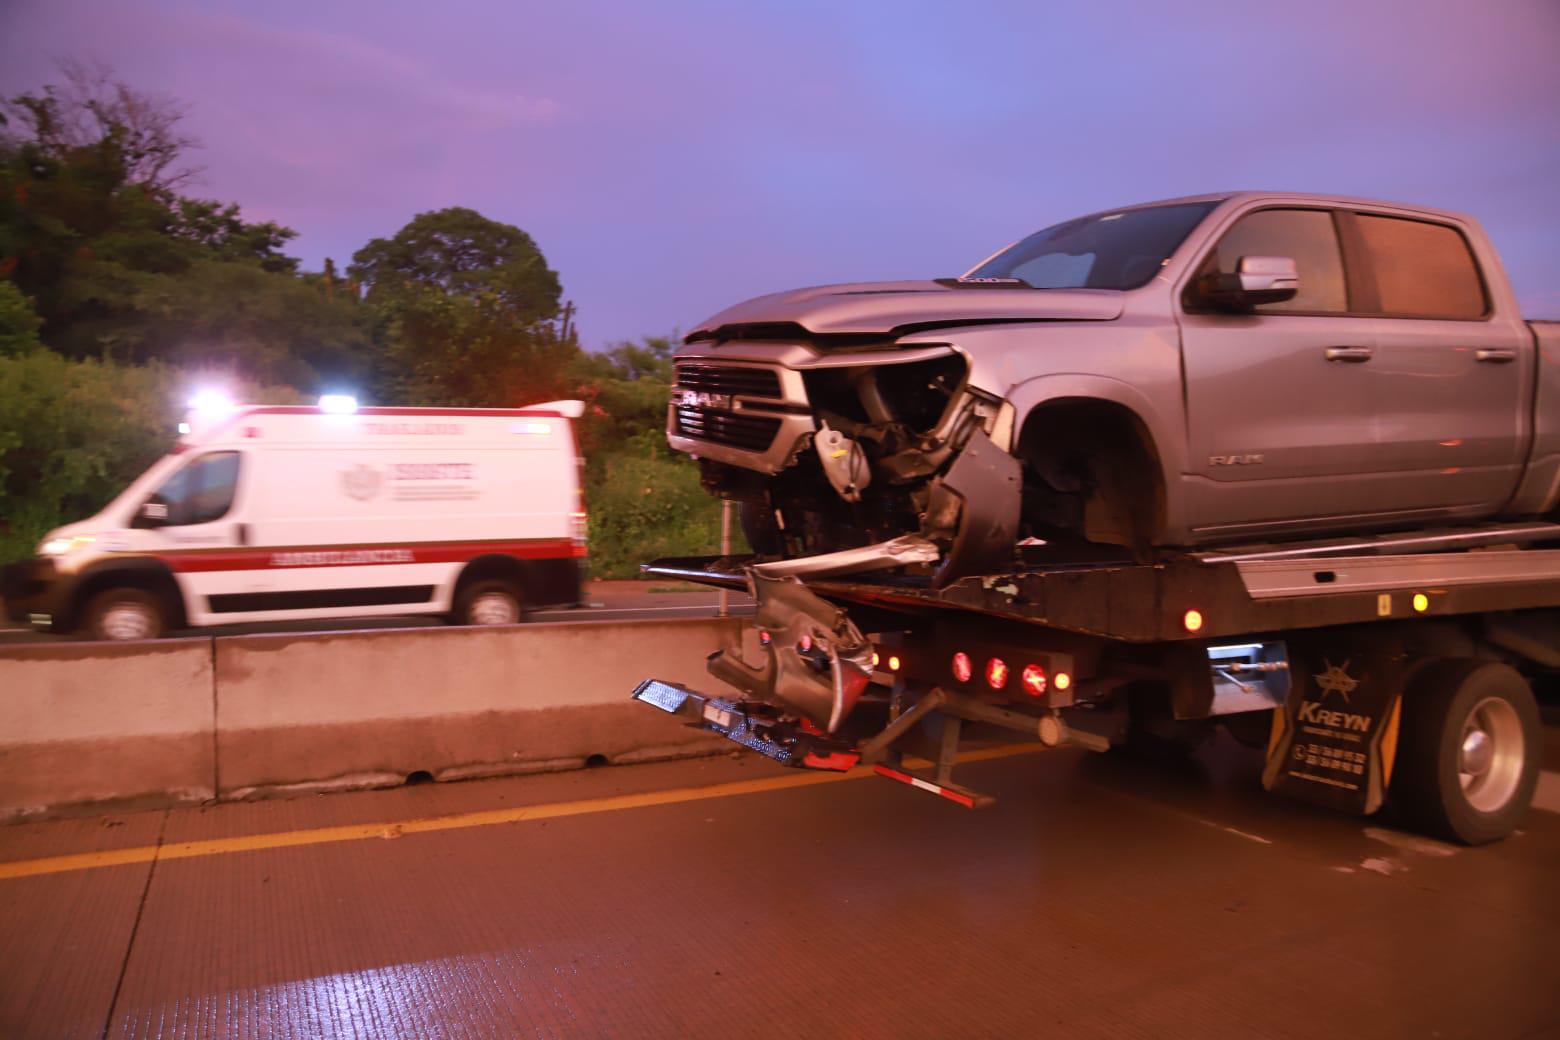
266, 513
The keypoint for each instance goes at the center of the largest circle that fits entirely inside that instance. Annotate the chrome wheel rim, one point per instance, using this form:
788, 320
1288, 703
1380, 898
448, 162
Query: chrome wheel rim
494, 608
128, 621
1490, 755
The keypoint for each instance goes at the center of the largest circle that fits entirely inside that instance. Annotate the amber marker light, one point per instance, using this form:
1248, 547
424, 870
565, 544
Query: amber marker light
1193, 621
1421, 602
1061, 680
893, 664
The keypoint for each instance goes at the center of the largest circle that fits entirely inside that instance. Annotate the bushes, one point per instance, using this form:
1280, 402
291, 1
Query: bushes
646, 503
73, 434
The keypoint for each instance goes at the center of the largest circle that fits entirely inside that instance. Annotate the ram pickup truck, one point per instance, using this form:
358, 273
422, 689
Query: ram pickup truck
1243, 366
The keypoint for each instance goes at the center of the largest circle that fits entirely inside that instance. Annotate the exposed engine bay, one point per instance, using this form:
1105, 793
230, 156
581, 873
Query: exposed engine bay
863, 450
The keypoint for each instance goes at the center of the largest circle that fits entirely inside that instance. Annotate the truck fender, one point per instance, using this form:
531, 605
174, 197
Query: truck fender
143, 572
1165, 433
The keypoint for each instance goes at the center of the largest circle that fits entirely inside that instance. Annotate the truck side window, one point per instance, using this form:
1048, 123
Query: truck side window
1422, 270
1308, 237
202, 491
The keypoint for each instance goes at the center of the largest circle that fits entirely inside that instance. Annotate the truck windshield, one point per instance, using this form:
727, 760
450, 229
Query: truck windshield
1121, 250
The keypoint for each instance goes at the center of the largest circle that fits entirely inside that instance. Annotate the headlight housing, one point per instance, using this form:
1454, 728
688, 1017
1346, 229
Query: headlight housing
62, 546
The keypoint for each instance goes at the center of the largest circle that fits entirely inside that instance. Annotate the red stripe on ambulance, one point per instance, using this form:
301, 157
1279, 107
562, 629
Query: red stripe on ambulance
292, 557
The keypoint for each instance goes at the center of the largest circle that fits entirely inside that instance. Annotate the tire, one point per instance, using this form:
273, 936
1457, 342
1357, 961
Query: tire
124, 614
1468, 751
490, 602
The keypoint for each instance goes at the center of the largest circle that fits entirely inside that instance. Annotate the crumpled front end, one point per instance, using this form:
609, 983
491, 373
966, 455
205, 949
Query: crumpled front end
834, 450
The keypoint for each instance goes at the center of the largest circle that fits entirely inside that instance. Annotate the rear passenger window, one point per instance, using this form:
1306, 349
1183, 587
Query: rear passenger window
1305, 236
1422, 270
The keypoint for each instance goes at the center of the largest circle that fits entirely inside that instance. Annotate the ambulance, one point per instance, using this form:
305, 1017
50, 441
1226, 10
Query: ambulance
279, 513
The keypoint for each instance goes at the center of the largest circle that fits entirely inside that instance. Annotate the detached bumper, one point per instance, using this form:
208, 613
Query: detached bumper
32, 588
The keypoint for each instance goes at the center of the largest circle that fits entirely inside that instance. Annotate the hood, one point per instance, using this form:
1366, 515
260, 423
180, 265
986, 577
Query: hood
879, 308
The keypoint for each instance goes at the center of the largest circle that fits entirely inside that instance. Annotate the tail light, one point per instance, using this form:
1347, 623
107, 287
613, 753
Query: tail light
963, 670
580, 528
996, 673
1033, 679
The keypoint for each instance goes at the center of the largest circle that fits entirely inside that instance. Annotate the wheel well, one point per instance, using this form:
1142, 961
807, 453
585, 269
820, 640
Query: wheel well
149, 575
1091, 431
494, 567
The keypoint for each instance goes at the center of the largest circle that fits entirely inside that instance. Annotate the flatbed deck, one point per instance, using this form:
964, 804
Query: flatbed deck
1232, 592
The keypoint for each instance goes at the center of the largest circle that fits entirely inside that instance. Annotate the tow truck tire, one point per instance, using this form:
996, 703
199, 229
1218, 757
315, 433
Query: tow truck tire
1468, 751
123, 614
489, 602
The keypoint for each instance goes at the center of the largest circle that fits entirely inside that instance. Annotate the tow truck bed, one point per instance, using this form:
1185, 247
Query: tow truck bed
1329, 654
1235, 592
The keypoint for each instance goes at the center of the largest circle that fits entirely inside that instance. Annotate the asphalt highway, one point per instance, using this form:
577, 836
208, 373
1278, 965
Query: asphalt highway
1103, 896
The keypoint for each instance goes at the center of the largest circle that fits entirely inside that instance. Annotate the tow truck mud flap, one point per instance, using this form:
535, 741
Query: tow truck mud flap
1334, 739
753, 726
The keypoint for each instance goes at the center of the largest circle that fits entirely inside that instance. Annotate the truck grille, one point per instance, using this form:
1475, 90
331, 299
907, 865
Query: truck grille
751, 432
729, 379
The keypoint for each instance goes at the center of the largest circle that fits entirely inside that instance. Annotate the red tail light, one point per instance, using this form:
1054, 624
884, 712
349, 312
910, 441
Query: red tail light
1034, 680
996, 673
962, 669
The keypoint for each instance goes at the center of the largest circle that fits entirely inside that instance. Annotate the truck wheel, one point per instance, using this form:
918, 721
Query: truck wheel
489, 603
122, 614
1468, 751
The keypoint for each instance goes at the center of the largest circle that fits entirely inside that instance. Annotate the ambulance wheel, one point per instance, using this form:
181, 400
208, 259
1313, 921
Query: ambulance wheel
489, 602
1468, 751
123, 614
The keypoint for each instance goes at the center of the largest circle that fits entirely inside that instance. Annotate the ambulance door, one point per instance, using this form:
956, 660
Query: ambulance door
189, 523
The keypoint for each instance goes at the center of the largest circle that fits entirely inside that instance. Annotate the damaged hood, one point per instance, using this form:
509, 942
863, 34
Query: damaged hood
887, 307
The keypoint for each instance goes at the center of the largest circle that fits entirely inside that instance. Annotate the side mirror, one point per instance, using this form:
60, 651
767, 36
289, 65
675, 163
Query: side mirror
153, 513
1257, 280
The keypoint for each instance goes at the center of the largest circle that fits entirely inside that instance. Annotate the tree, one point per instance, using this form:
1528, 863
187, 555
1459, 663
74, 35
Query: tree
450, 350
92, 111
121, 266
463, 254
18, 322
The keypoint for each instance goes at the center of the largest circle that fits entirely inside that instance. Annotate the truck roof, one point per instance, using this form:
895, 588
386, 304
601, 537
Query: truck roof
1300, 197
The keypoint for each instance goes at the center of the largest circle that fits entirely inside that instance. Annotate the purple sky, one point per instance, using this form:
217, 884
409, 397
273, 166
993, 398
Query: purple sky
676, 157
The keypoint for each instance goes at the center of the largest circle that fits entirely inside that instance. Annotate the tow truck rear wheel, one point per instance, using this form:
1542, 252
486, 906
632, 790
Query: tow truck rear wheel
1468, 751
491, 602
123, 614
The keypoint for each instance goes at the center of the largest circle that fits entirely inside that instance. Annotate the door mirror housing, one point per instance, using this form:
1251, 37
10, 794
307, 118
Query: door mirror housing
154, 512
1257, 280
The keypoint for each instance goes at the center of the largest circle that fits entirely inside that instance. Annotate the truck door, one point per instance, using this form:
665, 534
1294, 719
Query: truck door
1280, 408
187, 522
1452, 379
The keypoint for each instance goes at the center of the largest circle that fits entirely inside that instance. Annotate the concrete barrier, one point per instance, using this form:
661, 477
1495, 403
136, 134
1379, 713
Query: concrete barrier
234, 716
368, 708
105, 722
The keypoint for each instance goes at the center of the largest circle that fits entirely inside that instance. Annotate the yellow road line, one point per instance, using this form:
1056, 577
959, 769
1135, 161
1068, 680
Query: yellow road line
455, 821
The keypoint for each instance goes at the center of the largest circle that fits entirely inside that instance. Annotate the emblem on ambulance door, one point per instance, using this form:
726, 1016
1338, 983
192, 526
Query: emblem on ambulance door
361, 482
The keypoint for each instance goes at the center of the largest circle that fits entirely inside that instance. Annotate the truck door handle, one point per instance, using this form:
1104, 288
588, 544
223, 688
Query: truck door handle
1495, 355
1351, 355
241, 533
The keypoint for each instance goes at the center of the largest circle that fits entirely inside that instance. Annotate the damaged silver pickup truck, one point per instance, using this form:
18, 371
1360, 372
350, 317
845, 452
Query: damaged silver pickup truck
1182, 373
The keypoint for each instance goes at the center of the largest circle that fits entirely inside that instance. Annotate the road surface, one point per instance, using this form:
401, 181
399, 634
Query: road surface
1102, 897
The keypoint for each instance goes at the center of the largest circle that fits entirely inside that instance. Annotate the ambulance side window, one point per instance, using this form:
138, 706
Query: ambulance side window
198, 494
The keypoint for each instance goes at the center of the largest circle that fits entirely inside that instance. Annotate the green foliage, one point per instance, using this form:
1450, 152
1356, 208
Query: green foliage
450, 350
460, 253
18, 322
645, 503
73, 434
120, 266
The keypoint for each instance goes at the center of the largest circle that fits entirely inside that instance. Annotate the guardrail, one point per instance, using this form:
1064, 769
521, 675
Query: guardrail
190, 720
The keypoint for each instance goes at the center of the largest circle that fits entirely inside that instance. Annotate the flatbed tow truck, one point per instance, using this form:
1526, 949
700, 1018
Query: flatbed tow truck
1395, 668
